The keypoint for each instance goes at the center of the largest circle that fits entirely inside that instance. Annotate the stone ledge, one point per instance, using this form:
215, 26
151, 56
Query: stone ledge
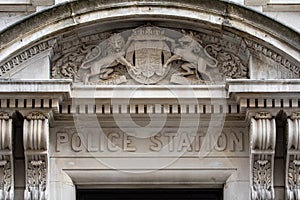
281, 8
256, 2
266, 86
43, 2
24, 6
17, 8
10, 86
151, 91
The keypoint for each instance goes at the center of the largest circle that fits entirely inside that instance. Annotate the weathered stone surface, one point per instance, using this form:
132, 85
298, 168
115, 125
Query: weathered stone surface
149, 133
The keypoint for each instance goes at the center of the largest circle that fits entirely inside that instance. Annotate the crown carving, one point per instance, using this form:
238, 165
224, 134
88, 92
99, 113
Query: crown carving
148, 33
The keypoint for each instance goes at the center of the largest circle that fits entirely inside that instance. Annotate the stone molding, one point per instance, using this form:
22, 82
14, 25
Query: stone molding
262, 150
255, 47
36, 134
17, 60
292, 176
6, 158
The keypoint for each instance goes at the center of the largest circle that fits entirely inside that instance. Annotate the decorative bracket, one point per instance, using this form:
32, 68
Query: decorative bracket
292, 178
263, 140
36, 132
6, 158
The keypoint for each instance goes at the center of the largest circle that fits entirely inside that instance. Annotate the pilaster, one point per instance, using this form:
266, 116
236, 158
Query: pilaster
262, 150
36, 133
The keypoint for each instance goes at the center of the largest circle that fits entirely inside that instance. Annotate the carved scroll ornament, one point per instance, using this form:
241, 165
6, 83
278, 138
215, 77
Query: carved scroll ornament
293, 158
36, 133
263, 139
6, 158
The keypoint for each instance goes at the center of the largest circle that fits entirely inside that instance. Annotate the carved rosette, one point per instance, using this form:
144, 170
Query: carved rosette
293, 157
36, 133
263, 139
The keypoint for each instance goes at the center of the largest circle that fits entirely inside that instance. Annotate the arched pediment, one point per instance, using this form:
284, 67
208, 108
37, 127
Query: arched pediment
225, 41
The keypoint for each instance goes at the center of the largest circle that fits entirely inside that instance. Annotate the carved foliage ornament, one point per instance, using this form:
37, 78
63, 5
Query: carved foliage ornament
36, 116
263, 115
36, 133
6, 190
6, 159
229, 64
263, 140
4, 115
72, 54
67, 66
293, 190
262, 181
148, 55
36, 180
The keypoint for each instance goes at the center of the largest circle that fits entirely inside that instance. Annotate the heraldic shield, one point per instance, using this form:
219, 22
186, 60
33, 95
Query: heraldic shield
148, 51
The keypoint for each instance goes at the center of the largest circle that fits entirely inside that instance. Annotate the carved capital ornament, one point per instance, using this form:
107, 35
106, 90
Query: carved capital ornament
6, 158
262, 150
36, 133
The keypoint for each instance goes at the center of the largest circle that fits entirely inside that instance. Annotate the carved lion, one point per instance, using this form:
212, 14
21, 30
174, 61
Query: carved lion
102, 58
194, 55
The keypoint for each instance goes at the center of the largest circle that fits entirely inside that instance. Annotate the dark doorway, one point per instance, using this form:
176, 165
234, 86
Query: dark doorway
153, 194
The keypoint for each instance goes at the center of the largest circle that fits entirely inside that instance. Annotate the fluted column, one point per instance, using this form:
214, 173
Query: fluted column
36, 133
262, 149
6, 158
292, 180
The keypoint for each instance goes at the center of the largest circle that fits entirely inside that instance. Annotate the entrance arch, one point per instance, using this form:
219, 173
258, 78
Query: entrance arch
239, 67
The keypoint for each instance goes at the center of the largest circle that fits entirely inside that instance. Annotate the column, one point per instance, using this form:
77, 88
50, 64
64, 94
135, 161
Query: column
36, 133
262, 151
292, 177
6, 158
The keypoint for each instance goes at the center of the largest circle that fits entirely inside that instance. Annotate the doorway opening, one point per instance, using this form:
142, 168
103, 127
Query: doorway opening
147, 194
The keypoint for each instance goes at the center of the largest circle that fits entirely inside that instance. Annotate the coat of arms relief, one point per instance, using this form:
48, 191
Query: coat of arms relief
150, 55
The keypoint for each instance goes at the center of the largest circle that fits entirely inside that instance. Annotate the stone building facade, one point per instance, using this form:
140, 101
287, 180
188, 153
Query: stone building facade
195, 99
